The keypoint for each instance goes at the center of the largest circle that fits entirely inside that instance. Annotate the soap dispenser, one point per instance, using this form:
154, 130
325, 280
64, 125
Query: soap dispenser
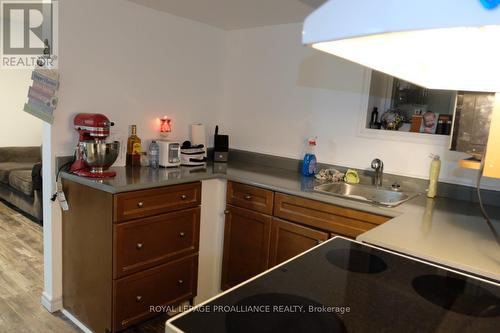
434, 176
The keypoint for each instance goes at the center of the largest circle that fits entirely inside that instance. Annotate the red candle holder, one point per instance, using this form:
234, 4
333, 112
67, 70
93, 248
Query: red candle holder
165, 126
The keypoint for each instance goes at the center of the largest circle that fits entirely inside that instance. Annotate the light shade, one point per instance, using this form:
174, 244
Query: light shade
438, 44
165, 125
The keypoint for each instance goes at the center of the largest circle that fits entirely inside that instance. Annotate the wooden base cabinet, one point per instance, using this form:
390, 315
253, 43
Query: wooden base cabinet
264, 229
246, 245
255, 242
126, 252
290, 239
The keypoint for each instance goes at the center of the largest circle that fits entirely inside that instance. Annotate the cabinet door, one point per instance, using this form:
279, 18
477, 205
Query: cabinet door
290, 239
246, 245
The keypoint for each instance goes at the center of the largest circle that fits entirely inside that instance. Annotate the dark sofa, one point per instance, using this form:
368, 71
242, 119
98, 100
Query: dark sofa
21, 180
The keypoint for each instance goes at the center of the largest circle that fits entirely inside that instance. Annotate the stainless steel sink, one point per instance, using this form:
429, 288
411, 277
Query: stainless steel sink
371, 194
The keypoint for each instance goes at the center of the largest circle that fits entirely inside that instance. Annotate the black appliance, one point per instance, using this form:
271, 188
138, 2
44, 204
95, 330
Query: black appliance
221, 146
346, 286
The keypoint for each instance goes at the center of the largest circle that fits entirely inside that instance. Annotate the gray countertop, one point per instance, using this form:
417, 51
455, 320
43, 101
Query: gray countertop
444, 231
280, 180
134, 179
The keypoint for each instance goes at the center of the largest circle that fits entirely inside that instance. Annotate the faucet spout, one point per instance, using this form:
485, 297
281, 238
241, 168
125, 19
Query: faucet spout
378, 166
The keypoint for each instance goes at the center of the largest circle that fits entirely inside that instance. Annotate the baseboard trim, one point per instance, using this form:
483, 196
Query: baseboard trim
57, 305
75, 321
52, 305
22, 212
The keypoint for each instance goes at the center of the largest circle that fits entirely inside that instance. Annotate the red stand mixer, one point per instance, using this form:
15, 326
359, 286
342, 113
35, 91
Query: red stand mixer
93, 155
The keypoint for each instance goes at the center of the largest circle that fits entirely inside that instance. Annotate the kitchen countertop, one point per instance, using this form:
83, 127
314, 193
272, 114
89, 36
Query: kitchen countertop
441, 230
274, 179
448, 232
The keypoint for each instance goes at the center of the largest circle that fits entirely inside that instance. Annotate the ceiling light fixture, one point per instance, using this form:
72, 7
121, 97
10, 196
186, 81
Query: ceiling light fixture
438, 44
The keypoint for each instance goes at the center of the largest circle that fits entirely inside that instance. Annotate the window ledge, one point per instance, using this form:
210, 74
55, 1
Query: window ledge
431, 139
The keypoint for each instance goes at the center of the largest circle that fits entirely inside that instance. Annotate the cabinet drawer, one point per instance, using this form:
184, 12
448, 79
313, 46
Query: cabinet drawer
133, 205
168, 284
344, 221
290, 239
250, 197
155, 240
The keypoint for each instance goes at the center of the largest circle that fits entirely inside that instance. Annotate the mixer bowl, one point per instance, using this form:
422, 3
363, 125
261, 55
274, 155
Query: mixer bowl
99, 156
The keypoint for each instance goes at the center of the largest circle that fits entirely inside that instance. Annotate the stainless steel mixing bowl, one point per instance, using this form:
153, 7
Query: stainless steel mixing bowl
98, 155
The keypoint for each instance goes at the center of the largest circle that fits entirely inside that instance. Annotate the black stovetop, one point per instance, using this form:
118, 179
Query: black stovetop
344, 286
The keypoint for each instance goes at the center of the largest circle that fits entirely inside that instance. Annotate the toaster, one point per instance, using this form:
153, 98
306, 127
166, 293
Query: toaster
170, 154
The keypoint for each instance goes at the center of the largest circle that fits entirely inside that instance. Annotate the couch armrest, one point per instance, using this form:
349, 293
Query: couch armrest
20, 154
36, 176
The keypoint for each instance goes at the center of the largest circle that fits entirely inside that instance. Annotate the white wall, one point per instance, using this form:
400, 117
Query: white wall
17, 127
278, 92
133, 64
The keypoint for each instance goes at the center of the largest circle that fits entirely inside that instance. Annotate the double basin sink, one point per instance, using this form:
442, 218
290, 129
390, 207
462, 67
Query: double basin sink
380, 196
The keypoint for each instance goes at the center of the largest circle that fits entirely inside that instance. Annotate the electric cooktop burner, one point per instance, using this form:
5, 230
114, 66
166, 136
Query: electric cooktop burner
294, 319
457, 295
343, 273
358, 261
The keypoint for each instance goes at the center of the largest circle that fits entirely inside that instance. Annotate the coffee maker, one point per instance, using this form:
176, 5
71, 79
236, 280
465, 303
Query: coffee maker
93, 154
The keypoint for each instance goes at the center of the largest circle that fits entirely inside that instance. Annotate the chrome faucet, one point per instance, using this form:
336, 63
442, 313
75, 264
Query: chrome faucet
378, 166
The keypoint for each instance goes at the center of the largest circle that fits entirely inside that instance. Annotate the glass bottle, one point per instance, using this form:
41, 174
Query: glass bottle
134, 148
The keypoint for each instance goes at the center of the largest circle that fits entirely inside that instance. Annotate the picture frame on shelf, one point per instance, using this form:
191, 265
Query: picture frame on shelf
429, 122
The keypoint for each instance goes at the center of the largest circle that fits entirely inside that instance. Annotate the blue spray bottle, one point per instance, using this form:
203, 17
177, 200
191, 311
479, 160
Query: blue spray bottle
309, 163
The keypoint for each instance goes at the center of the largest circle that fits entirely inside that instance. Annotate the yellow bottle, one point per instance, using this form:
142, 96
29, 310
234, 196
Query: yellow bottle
134, 148
434, 176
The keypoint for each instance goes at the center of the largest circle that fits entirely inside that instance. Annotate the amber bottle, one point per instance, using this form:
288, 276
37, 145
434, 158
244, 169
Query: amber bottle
134, 148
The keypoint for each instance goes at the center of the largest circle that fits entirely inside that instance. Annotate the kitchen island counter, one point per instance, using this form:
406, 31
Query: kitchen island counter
444, 231
345, 286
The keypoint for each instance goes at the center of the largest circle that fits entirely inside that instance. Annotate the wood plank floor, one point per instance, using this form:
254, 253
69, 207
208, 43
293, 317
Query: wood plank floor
21, 282
21, 278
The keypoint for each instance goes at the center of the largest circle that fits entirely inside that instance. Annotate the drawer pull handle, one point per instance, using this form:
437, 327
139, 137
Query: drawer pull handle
247, 197
183, 197
227, 211
138, 299
140, 204
181, 235
180, 282
139, 246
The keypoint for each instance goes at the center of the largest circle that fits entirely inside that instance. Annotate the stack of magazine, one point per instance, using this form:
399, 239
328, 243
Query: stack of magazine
42, 100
